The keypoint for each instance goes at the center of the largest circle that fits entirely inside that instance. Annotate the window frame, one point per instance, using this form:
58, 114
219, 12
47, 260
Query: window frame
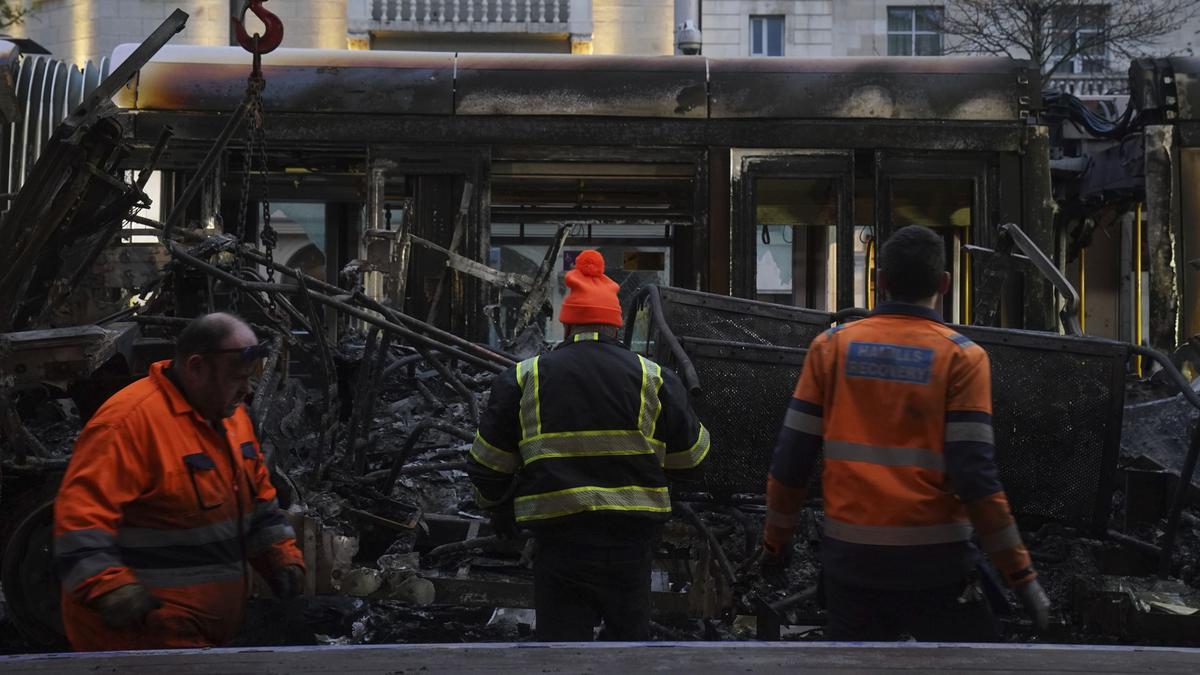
912, 33
764, 20
1076, 65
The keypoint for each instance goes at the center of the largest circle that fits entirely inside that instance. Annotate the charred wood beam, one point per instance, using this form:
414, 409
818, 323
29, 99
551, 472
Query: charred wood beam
461, 263
215, 152
460, 226
368, 396
410, 443
327, 436
23, 441
714, 543
540, 290
480, 356
454, 381
477, 355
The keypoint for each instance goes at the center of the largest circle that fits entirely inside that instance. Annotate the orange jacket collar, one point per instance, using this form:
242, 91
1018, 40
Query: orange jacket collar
178, 402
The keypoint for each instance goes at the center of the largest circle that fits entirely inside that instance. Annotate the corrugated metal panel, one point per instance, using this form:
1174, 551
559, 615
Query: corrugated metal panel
46, 91
914, 88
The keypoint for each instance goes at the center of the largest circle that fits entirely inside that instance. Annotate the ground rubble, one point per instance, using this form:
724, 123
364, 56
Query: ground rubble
406, 515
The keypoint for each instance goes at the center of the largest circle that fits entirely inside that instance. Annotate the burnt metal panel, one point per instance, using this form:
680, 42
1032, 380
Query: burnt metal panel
609, 86
948, 88
298, 80
1057, 400
194, 130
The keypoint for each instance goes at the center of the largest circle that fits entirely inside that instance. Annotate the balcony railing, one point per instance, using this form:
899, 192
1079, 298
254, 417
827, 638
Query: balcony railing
518, 16
1091, 84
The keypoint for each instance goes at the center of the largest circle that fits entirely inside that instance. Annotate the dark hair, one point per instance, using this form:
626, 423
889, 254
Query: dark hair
205, 333
913, 260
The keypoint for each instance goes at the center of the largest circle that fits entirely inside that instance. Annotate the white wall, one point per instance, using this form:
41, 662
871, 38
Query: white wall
79, 30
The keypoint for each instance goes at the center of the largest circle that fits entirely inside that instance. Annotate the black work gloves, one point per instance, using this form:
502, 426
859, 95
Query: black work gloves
287, 582
125, 607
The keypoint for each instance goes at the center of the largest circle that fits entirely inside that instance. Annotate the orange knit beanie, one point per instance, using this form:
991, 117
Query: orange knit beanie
593, 296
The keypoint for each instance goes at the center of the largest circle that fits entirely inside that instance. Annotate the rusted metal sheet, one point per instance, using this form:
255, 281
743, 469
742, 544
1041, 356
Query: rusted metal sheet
947, 88
298, 80
610, 86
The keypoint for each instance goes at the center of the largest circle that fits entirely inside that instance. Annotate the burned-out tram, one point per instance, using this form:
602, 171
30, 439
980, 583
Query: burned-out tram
773, 179
767, 179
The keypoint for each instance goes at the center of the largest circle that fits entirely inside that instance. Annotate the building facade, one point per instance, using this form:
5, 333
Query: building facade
81, 30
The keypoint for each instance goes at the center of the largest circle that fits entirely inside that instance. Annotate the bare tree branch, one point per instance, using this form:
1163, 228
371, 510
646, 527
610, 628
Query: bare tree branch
1053, 33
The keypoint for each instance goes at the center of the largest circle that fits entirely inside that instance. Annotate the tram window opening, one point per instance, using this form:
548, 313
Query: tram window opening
300, 231
796, 226
634, 256
947, 206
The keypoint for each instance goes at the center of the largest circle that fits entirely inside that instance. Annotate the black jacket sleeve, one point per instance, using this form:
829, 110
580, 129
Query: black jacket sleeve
495, 457
686, 438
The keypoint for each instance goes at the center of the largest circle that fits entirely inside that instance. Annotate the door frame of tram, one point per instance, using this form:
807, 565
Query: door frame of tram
746, 167
982, 169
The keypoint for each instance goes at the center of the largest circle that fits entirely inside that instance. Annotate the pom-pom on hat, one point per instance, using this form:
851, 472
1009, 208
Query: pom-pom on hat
593, 296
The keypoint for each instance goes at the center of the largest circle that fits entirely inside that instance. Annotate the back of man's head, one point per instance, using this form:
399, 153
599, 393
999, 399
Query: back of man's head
913, 260
205, 334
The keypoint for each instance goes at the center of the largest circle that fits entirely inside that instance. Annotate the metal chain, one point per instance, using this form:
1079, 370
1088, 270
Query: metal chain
259, 137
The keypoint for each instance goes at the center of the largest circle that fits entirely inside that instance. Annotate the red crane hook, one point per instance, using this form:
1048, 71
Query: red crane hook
258, 44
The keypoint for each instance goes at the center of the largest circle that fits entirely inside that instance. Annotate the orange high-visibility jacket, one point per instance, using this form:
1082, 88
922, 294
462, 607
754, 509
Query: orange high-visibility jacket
900, 407
156, 495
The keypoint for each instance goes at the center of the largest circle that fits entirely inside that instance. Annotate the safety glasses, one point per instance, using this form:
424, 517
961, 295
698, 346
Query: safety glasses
249, 354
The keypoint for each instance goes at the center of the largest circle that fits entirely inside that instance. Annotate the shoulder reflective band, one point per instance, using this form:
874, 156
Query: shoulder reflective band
873, 454
586, 337
590, 444
691, 457
531, 413
591, 498
651, 405
492, 457
897, 535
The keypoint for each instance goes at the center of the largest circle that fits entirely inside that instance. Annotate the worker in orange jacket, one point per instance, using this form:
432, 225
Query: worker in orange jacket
900, 406
167, 500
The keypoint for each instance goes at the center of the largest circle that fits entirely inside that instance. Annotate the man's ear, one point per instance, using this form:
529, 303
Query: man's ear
944, 284
194, 363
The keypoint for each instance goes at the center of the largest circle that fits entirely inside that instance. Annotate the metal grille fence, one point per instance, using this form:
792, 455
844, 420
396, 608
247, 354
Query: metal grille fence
1057, 400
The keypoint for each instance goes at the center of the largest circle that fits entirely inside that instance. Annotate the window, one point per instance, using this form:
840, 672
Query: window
766, 36
1081, 31
914, 31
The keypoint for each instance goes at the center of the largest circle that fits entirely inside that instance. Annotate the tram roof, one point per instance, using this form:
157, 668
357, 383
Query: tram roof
213, 79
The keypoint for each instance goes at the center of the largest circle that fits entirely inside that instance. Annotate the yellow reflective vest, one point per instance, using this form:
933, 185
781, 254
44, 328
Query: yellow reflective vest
588, 428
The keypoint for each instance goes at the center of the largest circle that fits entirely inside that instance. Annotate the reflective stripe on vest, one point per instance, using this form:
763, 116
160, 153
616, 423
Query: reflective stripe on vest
651, 405
590, 444
897, 535
690, 458
591, 498
188, 576
492, 457
1004, 539
872, 454
531, 413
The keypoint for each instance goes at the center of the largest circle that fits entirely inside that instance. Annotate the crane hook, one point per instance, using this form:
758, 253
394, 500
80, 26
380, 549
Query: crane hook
258, 44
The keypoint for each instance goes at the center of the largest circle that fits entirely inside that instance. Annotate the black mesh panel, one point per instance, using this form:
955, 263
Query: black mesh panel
1057, 400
